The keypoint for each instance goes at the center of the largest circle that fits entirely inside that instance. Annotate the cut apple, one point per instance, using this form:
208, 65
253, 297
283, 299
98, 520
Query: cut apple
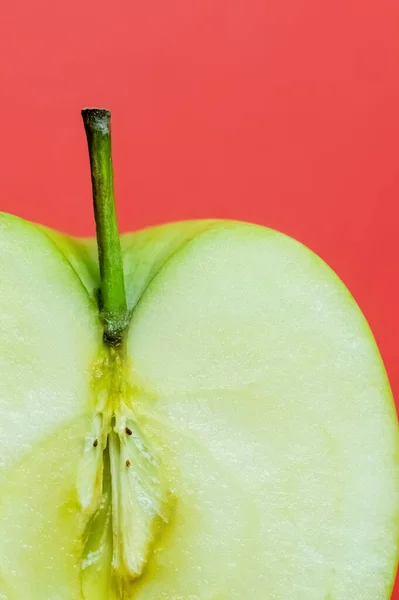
238, 441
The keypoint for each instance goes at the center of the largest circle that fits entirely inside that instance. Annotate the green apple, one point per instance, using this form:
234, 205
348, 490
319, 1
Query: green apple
198, 412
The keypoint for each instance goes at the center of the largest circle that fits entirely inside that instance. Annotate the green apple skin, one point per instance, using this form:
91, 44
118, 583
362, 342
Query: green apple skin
242, 443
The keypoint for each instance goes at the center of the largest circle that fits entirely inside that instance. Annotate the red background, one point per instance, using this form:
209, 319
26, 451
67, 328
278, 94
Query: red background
282, 112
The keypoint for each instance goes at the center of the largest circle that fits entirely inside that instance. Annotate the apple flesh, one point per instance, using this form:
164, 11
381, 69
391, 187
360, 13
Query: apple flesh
240, 444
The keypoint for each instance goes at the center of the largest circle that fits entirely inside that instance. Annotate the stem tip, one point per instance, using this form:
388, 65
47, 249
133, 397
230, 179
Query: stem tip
98, 119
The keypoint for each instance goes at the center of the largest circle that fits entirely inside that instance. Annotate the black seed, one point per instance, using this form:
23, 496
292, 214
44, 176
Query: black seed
95, 443
128, 431
128, 463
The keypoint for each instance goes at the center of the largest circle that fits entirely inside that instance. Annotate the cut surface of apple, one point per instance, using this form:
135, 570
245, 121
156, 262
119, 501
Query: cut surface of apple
242, 443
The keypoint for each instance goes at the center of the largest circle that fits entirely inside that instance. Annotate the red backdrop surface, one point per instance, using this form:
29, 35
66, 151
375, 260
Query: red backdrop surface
282, 112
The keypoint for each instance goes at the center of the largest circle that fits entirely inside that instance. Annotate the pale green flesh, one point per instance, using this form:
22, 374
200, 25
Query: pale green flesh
256, 388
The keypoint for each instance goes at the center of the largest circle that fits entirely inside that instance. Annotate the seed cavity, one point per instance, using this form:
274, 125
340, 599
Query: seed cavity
121, 489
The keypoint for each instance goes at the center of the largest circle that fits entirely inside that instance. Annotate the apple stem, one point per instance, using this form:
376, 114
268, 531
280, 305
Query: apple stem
113, 307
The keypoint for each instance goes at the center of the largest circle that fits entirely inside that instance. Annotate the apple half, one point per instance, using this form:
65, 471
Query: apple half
214, 424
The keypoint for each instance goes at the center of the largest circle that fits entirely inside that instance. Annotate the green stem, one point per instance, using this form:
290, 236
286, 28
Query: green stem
113, 308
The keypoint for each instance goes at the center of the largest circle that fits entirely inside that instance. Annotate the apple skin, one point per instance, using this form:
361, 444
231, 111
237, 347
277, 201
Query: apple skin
257, 385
